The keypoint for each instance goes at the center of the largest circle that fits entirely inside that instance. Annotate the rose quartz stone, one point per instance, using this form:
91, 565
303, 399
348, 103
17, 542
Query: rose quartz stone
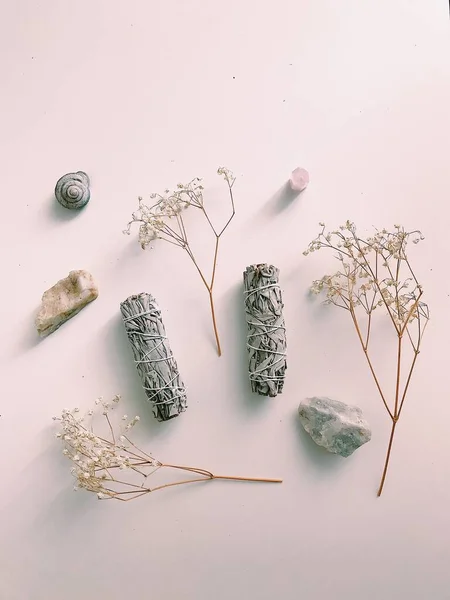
299, 179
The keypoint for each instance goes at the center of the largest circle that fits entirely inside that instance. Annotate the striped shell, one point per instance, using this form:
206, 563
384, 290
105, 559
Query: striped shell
72, 190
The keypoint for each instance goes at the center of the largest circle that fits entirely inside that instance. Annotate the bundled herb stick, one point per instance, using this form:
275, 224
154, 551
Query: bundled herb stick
152, 355
266, 338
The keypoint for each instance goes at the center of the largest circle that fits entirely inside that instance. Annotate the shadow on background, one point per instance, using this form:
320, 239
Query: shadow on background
283, 199
60, 214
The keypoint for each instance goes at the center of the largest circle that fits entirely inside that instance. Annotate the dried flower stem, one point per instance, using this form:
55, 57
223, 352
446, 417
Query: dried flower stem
388, 456
366, 353
96, 459
154, 224
370, 277
210, 475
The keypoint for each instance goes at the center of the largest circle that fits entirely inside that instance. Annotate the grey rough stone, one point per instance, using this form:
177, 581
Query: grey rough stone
338, 427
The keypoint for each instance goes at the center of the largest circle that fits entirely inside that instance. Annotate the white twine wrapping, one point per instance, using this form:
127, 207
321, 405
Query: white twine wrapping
153, 357
266, 338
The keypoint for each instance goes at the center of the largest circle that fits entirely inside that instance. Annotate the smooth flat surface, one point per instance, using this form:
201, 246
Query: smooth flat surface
141, 95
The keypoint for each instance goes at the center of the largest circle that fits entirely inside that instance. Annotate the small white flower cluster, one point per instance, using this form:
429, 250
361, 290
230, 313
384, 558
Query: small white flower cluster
345, 239
370, 273
154, 218
227, 175
95, 457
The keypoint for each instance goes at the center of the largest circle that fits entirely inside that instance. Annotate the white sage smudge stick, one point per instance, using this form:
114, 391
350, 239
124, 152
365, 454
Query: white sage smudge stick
153, 357
266, 338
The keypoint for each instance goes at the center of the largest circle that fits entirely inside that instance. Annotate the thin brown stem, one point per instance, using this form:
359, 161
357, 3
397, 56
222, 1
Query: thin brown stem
416, 354
141, 456
211, 299
232, 213
397, 383
141, 492
166, 239
147, 475
141, 473
110, 428
365, 265
402, 306
167, 485
376, 264
216, 332
376, 282
369, 321
397, 273
183, 228
210, 475
192, 257
127, 492
410, 312
411, 271
254, 479
172, 233
209, 288
388, 456
209, 221
410, 339
133, 485
191, 469
156, 218
213, 276
205, 478
137, 495
372, 370
422, 332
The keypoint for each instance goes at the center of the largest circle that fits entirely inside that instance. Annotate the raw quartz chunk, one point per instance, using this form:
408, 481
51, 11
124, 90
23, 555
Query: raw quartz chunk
64, 300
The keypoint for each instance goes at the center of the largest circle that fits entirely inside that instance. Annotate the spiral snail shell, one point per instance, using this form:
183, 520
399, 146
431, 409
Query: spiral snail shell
72, 190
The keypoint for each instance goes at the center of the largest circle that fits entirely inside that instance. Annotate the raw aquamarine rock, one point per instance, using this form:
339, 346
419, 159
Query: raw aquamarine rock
64, 300
338, 427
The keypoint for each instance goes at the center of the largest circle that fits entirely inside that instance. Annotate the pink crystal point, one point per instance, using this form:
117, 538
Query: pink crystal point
299, 179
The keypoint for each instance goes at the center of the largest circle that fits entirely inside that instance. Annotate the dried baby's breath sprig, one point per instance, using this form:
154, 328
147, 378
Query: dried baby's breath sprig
374, 273
163, 219
111, 465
